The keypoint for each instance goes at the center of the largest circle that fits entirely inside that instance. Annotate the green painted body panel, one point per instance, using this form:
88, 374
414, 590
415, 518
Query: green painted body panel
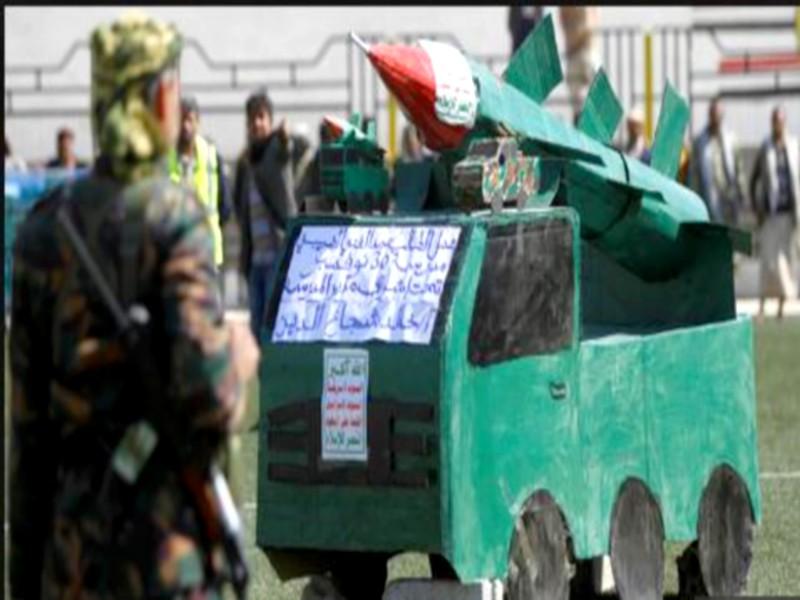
664, 400
345, 517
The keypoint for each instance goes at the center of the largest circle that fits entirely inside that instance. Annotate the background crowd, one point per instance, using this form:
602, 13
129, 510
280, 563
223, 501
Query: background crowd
260, 191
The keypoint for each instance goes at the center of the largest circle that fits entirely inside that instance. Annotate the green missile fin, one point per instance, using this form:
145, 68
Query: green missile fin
535, 68
371, 131
602, 111
356, 120
552, 151
666, 151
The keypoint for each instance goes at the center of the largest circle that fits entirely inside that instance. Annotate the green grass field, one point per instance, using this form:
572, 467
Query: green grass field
777, 539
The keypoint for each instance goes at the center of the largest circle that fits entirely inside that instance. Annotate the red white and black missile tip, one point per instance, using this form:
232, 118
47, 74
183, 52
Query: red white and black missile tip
334, 126
408, 73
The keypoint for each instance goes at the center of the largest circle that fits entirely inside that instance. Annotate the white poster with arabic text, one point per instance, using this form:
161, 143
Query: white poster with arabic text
358, 283
344, 404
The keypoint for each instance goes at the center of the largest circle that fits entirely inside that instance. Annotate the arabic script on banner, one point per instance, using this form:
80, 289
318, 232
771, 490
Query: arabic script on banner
344, 404
357, 283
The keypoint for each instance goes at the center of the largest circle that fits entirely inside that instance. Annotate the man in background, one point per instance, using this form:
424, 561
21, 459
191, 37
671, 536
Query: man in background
715, 172
636, 144
522, 19
195, 162
14, 164
309, 185
775, 191
65, 152
264, 199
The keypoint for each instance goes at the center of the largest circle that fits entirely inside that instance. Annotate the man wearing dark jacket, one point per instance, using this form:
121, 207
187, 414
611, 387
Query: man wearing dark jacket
263, 195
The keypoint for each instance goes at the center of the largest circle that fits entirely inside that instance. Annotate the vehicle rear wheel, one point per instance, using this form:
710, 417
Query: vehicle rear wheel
539, 559
360, 575
637, 543
725, 533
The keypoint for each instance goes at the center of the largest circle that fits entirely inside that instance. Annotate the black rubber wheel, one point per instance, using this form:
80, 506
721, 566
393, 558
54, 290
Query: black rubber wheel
690, 578
582, 583
441, 568
725, 533
539, 559
637, 543
360, 575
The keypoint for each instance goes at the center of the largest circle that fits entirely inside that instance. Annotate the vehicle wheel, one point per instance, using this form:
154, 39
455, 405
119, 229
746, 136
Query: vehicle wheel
539, 560
637, 543
441, 568
725, 533
582, 583
360, 575
690, 578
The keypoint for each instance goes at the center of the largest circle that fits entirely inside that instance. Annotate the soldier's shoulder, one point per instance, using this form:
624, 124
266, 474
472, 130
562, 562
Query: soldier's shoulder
166, 204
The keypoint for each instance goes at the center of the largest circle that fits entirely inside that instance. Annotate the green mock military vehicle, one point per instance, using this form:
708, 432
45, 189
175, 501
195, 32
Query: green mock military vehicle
557, 393
520, 389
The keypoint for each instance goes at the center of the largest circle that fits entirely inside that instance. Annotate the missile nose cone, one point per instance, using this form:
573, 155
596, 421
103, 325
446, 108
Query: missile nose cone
359, 42
334, 125
409, 73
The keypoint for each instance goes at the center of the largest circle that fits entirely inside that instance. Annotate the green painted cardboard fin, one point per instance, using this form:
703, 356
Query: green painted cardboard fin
602, 111
535, 68
356, 121
666, 152
741, 240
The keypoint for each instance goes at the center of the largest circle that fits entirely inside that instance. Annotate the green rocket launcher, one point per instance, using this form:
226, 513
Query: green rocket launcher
637, 214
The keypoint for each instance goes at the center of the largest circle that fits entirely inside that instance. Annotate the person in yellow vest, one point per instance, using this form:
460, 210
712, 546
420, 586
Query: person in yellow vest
196, 162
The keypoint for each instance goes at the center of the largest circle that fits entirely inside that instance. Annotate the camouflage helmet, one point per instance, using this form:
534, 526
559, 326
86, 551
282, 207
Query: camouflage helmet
127, 56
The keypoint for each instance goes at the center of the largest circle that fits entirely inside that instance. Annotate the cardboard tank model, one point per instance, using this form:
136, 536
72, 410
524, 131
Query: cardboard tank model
352, 166
514, 391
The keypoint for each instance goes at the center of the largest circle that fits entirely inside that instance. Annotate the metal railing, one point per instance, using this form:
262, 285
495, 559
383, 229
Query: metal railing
358, 88
292, 76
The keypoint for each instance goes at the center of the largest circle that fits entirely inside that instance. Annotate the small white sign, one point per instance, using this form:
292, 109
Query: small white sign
357, 283
344, 404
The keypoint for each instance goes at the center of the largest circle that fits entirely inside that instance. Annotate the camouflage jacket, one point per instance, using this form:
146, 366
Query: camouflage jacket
77, 530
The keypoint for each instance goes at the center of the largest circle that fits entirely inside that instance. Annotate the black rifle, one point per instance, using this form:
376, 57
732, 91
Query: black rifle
207, 491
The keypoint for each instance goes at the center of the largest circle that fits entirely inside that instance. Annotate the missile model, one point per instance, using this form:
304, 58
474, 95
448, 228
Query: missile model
637, 214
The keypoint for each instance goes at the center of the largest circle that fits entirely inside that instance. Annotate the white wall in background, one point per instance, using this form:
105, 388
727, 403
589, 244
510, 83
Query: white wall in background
36, 35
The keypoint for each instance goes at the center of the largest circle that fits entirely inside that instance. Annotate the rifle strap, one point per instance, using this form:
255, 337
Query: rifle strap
132, 230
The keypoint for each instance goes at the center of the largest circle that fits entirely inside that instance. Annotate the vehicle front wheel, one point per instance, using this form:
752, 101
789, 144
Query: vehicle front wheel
637, 543
539, 565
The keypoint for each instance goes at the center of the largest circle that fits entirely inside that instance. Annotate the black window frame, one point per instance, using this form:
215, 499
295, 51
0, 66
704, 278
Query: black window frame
484, 348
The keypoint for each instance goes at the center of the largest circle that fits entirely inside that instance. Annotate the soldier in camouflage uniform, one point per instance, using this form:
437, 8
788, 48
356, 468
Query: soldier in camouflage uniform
77, 531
